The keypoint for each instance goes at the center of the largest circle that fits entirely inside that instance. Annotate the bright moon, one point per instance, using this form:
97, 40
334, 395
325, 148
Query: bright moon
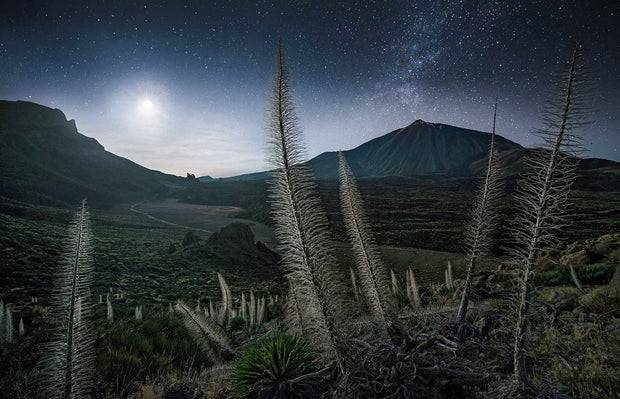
146, 106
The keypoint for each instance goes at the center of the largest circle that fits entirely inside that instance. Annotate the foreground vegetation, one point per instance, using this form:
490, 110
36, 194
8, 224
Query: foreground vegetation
574, 347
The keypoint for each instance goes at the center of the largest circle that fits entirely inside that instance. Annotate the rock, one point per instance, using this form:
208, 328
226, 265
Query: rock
486, 322
579, 258
545, 262
190, 238
601, 300
172, 248
605, 244
548, 259
615, 279
614, 255
236, 235
265, 250
181, 390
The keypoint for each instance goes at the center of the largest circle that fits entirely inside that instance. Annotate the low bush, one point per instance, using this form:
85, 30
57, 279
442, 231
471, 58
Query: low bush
598, 273
236, 324
157, 347
277, 367
602, 300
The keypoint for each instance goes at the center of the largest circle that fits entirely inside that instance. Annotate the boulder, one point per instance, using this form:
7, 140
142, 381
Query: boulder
181, 390
579, 258
235, 235
190, 238
605, 244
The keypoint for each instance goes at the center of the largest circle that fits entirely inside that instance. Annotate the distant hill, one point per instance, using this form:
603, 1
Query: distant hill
45, 160
425, 149
420, 149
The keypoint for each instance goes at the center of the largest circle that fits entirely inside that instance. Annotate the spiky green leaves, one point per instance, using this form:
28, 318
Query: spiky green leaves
278, 367
67, 361
371, 272
300, 226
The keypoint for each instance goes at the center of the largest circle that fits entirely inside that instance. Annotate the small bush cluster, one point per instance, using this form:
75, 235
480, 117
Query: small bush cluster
598, 273
277, 367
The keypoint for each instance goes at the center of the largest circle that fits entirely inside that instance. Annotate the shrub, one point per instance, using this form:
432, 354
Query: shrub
598, 273
276, 367
601, 300
157, 347
236, 323
579, 360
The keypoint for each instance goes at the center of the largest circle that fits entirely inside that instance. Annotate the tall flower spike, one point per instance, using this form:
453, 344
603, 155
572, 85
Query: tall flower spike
483, 220
356, 291
542, 195
300, 226
371, 272
224, 314
67, 361
413, 292
207, 333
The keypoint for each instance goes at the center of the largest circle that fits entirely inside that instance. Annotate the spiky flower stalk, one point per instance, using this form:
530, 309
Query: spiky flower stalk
484, 216
356, 291
243, 307
542, 195
260, 311
138, 312
109, 309
212, 310
449, 280
293, 320
576, 281
252, 309
21, 328
1, 321
300, 225
8, 326
413, 292
225, 311
67, 361
78, 310
394, 285
208, 334
370, 268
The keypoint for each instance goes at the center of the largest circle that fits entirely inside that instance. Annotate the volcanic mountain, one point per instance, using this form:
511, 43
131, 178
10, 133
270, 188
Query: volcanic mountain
45, 160
420, 149
425, 149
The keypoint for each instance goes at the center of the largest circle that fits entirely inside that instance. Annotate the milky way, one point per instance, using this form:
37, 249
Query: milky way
359, 70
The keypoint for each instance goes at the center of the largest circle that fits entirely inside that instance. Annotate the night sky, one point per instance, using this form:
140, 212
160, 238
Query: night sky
182, 86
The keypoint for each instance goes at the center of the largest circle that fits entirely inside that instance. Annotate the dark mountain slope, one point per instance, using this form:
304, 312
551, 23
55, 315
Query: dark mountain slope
43, 159
420, 149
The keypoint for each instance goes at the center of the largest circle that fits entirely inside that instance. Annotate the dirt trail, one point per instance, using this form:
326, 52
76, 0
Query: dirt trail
203, 218
148, 215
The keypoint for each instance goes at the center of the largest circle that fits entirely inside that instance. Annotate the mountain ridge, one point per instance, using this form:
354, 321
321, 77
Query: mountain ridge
426, 149
45, 160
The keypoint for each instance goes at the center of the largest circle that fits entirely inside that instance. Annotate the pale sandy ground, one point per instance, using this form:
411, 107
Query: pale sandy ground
203, 218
